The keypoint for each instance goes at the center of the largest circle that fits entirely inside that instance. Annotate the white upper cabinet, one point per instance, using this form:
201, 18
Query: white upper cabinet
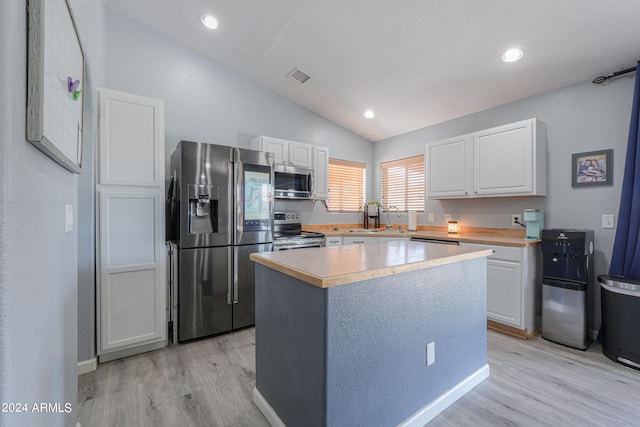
131, 134
449, 167
320, 173
300, 155
279, 148
507, 160
288, 153
510, 160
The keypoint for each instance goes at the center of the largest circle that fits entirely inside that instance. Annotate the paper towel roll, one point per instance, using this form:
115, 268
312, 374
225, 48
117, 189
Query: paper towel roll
413, 220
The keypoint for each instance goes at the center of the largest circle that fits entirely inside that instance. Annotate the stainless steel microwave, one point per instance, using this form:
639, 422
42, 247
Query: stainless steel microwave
292, 182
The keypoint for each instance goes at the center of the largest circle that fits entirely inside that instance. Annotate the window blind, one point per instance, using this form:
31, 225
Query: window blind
402, 183
346, 185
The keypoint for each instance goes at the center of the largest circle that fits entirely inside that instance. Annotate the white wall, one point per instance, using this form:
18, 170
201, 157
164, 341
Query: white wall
579, 118
38, 260
207, 102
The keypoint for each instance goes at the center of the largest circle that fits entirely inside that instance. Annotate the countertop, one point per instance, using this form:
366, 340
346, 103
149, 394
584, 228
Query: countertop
326, 267
485, 236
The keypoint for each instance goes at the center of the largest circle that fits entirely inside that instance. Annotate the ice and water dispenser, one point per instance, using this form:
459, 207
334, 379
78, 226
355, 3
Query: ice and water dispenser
567, 275
203, 209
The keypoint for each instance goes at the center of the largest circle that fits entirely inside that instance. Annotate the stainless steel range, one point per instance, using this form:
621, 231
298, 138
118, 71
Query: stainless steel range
288, 233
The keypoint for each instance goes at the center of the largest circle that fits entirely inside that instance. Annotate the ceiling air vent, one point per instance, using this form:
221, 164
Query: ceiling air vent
298, 76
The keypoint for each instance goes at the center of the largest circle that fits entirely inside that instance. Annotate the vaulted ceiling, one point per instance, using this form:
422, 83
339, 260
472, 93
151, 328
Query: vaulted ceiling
413, 62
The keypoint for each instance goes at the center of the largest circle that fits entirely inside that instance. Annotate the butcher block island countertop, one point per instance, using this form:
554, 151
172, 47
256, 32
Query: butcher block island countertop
327, 267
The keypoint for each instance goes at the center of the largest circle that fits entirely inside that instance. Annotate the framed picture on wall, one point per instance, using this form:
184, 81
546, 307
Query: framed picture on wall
55, 83
593, 168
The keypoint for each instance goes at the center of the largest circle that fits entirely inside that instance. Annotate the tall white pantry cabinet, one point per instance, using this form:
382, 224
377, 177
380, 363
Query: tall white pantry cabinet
131, 254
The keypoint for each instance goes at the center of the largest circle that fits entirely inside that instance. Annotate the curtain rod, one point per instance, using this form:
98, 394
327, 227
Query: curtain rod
602, 79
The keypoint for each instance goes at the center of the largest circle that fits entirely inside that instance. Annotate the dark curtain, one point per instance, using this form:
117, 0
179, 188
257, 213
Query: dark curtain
625, 260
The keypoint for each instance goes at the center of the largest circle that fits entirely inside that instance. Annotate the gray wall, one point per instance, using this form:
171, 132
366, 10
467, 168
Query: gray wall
579, 118
38, 260
355, 354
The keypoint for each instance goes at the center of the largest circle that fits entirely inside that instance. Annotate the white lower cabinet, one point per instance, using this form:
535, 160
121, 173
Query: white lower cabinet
132, 298
359, 240
504, 292
513, 295
334, 241
367, 240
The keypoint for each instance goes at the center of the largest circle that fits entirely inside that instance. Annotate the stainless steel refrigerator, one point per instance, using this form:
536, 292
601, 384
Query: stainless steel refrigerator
219, 210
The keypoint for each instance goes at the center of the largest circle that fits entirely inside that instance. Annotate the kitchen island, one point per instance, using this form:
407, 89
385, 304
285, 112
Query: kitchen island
344, 335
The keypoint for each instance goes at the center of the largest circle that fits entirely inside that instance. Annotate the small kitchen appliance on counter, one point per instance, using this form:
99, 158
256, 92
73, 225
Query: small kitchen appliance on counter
288, 233
534, 219
567, 274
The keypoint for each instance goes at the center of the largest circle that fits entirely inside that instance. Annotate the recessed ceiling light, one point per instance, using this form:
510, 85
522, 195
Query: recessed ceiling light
512, 55
209, 21
369, 114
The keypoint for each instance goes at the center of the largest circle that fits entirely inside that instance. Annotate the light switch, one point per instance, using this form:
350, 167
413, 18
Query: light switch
68, 218
608, 221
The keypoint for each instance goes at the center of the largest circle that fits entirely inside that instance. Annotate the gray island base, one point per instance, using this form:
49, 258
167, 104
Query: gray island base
356, 353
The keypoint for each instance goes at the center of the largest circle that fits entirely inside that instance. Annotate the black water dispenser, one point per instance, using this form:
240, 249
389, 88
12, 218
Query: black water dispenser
567, 275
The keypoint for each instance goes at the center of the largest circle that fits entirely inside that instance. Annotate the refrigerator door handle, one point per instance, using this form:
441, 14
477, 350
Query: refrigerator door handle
235, 274
230, 276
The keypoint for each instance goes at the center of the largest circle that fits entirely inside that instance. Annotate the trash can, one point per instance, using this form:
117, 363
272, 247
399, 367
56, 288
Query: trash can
621, 319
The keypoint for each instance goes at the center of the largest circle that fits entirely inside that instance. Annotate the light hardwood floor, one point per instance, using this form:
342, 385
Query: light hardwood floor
209, 383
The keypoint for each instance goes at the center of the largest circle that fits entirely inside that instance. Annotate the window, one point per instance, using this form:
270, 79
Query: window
402, 183
346, 185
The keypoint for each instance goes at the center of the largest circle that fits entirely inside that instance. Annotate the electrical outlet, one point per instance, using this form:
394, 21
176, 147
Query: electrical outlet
516, 220
430, 217
431, 353
68, 218
608, 221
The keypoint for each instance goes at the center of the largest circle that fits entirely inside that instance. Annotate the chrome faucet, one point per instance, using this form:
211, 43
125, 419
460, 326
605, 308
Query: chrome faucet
397, 212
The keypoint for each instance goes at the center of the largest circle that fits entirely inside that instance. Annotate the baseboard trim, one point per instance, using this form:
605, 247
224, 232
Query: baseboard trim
266, 409
119, 354
520, 333
86, 366
419, 419
442, 402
